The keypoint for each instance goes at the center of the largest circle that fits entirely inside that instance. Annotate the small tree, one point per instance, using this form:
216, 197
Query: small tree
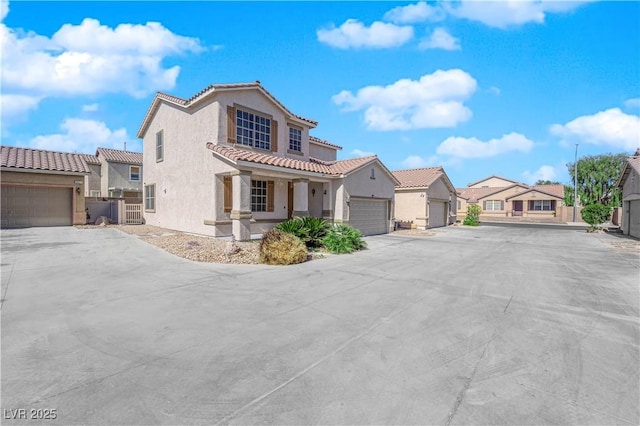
595, 214
473, 215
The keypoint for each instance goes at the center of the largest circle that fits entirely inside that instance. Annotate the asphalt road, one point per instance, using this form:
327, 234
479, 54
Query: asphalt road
491, 325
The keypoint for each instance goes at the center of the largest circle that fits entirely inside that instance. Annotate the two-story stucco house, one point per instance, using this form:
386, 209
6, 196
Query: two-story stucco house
233, 160
114, 174
629, 183
425, 197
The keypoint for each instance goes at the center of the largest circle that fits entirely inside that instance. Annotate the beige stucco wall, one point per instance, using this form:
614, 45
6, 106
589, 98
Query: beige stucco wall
410, 205
116, 175
315, 200
502, 196
53, 180
92, 181
322, 152
493, 182
630, 223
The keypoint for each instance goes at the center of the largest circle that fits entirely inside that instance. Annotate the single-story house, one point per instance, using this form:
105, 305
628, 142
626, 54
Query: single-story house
629, 183
499, 197
233, 160
41, 188
425, 197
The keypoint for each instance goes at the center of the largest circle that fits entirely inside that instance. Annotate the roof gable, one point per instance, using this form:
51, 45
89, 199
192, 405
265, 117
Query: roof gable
418, 178
119, 156
210, 91
536, 190
17, 158
633, 163
507, 182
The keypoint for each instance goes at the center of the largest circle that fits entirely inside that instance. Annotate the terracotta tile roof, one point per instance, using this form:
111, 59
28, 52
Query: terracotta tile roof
334, 168
557, 190
418, 178
90, 159
119, 156
633, 162
319, 141
37, 159
474, 194
212, 88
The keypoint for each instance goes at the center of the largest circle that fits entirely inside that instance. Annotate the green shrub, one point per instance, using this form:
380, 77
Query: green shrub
473, 215
310, 230
316, 228
281, 248
595, 214
343, 238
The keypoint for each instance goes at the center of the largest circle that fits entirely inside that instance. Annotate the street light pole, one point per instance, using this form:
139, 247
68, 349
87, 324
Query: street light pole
575, 187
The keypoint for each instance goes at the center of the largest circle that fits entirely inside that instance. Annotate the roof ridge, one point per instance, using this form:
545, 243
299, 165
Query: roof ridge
418, 168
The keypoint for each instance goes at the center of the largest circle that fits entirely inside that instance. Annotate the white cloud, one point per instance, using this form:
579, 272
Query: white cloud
90, 59
418, 12
433, 101
543, 173
475, 148
80, 135
90, 108
416, 161
4, 9
632, 103
612, 128
360, 153
440, 39
505, 14
13, 106
353, 34
494, 90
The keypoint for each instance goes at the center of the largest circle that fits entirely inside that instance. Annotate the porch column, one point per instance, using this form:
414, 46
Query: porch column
301, 197
525, 208
327, 211
241, 205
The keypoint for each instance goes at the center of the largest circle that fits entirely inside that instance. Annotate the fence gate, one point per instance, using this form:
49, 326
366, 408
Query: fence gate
133, 214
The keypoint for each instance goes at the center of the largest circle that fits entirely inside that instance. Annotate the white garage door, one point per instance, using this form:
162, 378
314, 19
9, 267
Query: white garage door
634, 218
437, 214
371, 217
24, 206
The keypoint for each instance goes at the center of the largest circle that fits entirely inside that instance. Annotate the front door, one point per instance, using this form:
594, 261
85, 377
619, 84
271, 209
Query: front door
290, 200
517, 207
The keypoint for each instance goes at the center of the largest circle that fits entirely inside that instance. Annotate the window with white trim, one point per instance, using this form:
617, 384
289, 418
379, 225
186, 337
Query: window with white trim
253, 130
150, 197
160, 146
258, 195
295, 139
94, 193
542, 205
134, 173
493, 205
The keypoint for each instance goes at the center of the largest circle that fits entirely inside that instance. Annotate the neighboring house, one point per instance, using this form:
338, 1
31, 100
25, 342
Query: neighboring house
42, 188
233, 160
629, 183
425, 197
504, 198
115, 174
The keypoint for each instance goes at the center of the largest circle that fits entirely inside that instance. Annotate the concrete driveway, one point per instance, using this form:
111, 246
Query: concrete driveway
472, 326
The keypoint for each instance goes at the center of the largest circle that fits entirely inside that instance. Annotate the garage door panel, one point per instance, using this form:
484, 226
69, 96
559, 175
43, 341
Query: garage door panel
369, 216
437, 215
634, 218
24, 206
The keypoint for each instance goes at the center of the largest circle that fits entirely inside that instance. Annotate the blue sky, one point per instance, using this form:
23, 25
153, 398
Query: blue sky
482, 88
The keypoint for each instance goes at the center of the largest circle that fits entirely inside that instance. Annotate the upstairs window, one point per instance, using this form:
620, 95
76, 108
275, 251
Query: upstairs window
160, 146
253, 130
134, 173
295, 139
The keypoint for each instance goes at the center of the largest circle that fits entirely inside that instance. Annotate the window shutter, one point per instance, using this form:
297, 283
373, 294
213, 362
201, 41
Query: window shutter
530, 205
484, 205
274, 136
270, 196
501, 205
228, 193
231, 124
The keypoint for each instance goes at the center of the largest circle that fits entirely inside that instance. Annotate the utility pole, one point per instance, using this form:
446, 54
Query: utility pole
575, 187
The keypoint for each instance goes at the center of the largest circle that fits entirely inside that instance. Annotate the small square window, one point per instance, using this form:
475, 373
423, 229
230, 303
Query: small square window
134, 173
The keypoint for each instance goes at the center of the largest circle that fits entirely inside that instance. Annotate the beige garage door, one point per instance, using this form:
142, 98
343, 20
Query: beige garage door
634, 218
371, 217
437, 214
24, 206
